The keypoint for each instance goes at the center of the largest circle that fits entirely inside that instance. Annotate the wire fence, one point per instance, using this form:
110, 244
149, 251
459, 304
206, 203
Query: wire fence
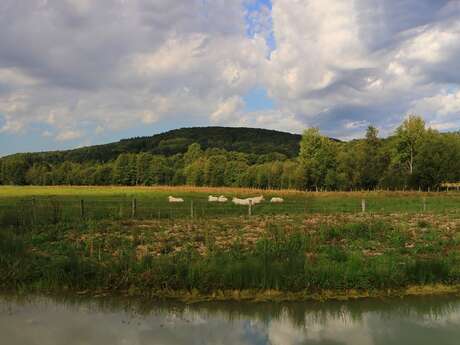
53, 210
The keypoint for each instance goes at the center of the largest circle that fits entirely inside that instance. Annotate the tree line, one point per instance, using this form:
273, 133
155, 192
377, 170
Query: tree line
413, 157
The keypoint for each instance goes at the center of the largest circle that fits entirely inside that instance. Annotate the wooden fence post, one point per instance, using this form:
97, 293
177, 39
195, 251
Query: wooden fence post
363, 206
424, 204
133, 207
82, 208
250, 208
191, 209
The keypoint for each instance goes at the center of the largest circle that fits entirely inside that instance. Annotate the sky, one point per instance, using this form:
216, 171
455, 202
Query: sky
80, 72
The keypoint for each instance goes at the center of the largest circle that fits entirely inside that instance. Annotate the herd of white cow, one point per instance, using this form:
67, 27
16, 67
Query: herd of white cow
237, 201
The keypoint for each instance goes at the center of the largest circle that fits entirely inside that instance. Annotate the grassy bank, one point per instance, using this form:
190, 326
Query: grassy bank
258, 257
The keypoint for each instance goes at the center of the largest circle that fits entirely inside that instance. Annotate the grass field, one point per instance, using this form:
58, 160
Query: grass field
44, 205
312, 243
234, 257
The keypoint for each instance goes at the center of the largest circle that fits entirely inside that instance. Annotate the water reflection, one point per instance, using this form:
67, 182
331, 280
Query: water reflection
39, 320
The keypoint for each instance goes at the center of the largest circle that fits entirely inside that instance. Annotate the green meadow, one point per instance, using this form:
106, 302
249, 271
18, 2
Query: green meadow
131, 240
43, 205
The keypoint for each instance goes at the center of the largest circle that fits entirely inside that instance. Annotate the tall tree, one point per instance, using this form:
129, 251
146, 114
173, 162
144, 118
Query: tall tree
214, 170
193, 153
124, 170
370, 160
143, 170
409, 137
317, 157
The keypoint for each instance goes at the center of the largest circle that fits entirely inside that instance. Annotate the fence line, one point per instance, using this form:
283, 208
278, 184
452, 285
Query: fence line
50, 210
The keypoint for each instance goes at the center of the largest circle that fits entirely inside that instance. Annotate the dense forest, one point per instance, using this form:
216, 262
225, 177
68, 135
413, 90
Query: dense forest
413, 157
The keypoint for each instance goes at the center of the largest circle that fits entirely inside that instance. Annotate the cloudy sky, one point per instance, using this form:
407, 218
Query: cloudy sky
81, 72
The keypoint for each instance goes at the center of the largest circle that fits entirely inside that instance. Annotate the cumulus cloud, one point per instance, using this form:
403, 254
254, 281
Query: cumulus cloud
88, 67
113, 64
343, 62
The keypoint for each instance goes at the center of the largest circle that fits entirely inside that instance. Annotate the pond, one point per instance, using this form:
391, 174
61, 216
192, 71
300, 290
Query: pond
112, 321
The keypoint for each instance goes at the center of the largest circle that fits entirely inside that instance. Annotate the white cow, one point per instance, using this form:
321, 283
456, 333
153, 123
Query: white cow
173, 199
276, 200
256, 199
238, 201
222, 199
213, 198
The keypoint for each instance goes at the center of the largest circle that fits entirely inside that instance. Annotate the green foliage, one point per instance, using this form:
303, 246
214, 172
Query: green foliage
412, 158
409, 136
317, 157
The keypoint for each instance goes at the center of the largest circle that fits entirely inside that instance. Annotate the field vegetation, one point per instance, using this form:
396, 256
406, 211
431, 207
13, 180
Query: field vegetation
29, 206
275, 253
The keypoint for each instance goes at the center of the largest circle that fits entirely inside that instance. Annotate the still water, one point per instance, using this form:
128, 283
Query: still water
40, 320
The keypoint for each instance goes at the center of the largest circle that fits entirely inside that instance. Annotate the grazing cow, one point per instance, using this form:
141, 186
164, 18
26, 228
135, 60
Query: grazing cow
173, 199
256, 199
276, 200
247, 201
222, 199
213, 198
238, 201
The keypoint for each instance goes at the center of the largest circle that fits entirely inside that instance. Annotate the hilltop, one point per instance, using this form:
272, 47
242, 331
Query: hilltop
246, 140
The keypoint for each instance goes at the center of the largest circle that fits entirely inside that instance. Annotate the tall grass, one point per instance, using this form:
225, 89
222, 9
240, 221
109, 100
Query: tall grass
291, 262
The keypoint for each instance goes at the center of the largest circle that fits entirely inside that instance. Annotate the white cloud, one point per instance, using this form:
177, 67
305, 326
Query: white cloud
442, 110
227, 110
339, 63
69, 134
113, 65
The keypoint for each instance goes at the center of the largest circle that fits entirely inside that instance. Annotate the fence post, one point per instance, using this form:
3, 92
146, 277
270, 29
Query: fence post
250, 208
82, 208
133, 207
191, 209
363, 205
424, 204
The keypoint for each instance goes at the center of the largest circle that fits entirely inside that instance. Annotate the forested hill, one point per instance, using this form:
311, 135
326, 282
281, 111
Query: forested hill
414, 157
246, 140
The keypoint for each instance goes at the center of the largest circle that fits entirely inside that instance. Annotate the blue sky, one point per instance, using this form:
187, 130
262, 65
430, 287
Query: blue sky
81, 72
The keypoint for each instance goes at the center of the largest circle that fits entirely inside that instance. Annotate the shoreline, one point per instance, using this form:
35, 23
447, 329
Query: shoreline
248, 295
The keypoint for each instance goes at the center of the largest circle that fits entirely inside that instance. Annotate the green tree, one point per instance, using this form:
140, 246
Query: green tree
143, 168
124, 170
193, 153
234, 171
14, 170
409, 137
370, 160
159, 173
289, 178
194, 173
103, 175
317, 157
36, 175
214, 170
